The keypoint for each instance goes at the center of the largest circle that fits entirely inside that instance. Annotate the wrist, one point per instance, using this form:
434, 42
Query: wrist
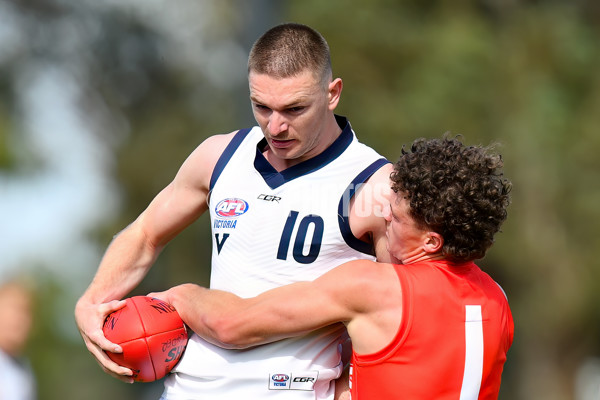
177, 295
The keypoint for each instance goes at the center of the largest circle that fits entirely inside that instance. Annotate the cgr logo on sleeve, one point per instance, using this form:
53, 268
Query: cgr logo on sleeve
231, 208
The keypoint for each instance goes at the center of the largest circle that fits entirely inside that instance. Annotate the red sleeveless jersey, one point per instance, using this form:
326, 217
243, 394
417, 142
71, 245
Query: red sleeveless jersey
452, 342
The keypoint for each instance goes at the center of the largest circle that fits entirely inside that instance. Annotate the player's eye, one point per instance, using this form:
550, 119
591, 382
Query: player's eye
261, 107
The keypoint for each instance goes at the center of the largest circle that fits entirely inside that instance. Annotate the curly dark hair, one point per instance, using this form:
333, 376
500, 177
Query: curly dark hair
455, 190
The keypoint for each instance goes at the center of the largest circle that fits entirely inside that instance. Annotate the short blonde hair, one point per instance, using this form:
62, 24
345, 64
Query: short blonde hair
289, 49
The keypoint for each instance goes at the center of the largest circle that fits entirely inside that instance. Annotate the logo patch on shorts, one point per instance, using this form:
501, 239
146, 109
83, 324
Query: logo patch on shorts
279, 381
293, 381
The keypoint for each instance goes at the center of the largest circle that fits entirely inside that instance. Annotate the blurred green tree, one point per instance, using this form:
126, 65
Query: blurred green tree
156, 80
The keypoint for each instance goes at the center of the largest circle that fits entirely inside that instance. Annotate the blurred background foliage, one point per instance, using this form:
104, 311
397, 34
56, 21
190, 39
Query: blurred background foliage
149, 80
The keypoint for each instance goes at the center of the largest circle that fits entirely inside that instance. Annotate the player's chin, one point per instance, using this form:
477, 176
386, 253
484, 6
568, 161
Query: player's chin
292, 153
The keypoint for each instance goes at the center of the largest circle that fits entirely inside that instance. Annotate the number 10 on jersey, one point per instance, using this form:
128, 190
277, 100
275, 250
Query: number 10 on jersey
311, 220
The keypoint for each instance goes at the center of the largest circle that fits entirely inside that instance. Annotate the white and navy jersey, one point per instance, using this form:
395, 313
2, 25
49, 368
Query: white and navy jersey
269, 229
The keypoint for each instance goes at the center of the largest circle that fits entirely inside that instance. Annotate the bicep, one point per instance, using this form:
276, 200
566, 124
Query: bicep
306, 306
302, 307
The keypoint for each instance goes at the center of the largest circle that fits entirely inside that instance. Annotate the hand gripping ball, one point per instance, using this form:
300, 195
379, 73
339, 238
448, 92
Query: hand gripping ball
152, 336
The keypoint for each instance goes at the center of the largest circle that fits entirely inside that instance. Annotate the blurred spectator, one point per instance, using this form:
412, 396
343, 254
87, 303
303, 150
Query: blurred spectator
16, 307
587, 379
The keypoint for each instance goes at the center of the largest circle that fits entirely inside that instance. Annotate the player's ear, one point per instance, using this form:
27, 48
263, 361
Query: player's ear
433, 242
334, 91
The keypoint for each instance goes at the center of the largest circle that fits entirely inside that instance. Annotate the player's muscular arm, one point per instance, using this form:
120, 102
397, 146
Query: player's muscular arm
229, 321
366, 211
133, 251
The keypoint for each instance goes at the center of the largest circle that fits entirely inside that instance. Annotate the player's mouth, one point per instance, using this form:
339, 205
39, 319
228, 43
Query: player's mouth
281, 144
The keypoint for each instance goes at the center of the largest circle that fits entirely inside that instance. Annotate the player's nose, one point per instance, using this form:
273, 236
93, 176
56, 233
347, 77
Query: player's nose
277, 123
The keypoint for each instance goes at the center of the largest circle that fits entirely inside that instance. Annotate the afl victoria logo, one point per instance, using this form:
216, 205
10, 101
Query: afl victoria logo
231, 208
280, 378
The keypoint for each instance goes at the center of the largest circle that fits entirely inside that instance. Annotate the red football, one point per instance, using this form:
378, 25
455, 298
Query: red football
152, 336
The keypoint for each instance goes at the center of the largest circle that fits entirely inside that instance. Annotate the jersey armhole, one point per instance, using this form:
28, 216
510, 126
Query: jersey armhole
344, 208
403, 329
227, 154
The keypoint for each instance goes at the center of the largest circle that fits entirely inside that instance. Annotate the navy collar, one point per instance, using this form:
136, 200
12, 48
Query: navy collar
274, 179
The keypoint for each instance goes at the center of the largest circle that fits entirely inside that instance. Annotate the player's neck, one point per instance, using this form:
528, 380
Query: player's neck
424, 257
